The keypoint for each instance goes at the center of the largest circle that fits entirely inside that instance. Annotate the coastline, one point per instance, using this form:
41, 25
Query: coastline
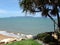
4, 37
11, 37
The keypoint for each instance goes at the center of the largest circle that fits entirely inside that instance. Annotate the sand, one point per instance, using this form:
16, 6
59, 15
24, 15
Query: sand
4, 37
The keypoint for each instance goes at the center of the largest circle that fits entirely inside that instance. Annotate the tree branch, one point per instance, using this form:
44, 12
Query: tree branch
52, 19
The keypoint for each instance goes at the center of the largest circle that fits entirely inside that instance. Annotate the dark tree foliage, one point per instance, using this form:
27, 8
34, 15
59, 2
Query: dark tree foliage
47, 7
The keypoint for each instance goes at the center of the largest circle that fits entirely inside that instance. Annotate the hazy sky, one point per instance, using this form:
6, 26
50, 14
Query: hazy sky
10, 8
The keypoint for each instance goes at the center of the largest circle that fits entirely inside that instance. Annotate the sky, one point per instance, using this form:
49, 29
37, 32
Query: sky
11, 8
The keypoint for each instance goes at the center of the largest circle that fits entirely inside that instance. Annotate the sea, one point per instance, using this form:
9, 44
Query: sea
26, 25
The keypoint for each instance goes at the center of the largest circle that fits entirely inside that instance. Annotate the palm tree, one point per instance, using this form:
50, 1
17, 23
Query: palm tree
49, 8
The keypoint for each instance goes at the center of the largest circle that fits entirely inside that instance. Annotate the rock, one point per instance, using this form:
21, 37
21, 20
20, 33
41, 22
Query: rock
7, 40
55, 36
29, 36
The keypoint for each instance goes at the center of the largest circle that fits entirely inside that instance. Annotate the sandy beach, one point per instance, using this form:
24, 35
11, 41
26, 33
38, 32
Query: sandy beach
4, 37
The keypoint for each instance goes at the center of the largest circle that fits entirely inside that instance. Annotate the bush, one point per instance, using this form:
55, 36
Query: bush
48, 38
52, 43
41, 36
58, 43
35, 37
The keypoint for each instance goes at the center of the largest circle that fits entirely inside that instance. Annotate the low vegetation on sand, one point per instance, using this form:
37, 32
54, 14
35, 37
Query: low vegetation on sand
25, 42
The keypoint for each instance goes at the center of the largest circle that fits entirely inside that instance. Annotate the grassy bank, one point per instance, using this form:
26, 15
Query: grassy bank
24, 42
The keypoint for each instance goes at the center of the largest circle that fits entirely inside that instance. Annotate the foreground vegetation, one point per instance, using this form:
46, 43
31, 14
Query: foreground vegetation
48, 38
25, 42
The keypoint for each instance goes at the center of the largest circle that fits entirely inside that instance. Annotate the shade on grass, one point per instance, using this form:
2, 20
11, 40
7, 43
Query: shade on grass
25, 42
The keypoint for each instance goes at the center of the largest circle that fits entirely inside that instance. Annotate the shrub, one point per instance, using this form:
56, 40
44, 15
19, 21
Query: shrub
52, 43
48, 38
41, 36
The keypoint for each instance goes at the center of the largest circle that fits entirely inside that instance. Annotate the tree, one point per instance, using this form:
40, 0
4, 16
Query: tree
49, 8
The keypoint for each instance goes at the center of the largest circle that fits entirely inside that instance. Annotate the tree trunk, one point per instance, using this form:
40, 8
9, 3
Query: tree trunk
58, 21
53, 21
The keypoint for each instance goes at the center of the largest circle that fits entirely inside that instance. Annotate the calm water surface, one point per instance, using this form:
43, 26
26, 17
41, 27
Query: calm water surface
27, 25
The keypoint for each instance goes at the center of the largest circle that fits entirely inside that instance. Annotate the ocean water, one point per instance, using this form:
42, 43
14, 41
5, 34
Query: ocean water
27, 25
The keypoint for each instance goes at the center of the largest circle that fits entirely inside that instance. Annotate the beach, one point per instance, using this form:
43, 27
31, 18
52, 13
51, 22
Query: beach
4, 37
7, 37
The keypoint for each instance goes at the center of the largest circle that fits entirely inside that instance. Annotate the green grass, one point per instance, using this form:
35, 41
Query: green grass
25, 42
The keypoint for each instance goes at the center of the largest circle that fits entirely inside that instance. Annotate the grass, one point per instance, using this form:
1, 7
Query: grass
25, 42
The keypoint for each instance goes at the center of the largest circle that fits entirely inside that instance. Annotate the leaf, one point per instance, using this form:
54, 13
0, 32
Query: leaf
54, 11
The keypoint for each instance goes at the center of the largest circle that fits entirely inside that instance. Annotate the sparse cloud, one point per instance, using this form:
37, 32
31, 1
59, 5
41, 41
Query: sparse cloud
12, 13
3, 11
8, 13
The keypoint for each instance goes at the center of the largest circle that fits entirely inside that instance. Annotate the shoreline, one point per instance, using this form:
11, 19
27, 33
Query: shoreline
11, 36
